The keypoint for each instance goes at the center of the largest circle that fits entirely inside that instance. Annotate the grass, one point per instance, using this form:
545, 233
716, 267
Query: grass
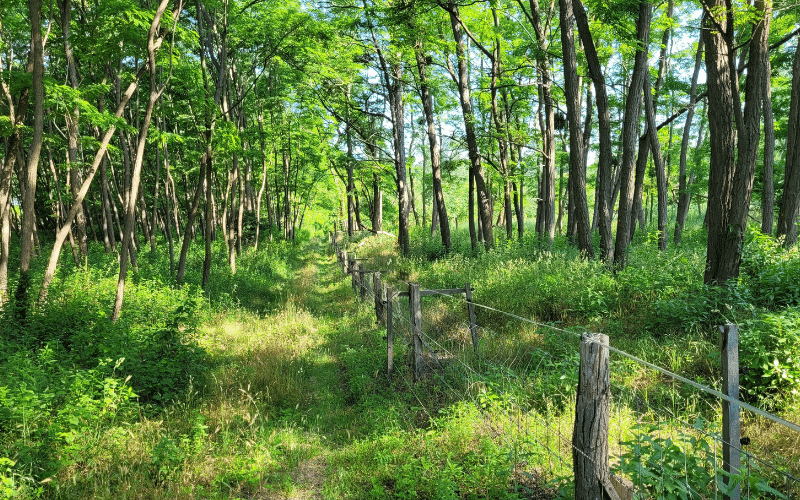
271, 383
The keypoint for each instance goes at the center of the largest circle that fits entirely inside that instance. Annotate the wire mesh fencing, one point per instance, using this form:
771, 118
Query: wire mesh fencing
645, 432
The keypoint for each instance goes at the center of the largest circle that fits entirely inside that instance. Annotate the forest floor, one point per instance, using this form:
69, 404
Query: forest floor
271, 383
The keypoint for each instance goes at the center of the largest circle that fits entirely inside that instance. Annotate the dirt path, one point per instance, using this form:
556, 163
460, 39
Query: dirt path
318, 288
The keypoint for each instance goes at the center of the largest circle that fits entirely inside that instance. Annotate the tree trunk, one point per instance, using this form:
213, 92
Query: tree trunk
733, 152
71, 118
684, 195
768, 192
630, 129
576, 146
153, 44
790, 202
351, 187
29, 180
377, 203
208, 232
190, 218
661, 174
484, 197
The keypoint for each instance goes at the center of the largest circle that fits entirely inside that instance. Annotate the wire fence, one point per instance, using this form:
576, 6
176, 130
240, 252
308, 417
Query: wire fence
666, 435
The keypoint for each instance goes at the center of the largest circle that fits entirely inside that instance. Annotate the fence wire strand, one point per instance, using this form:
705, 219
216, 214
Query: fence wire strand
456, 353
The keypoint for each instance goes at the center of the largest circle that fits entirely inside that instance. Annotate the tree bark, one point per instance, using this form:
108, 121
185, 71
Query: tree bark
605, 170
190, 218
153, 44
439, 208
684, 195
576, 146
790, 202
732, 170
351, 187
484, 202
768, 192
71, 118
29, 180
661, 174
208, 232
545, 214
630, 129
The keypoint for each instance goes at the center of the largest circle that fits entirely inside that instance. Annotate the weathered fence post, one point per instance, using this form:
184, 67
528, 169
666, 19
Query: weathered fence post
389, 332
415, 309
731, 430
590, 435
362, 282
473, 326
345, 262
378, 287
354, 274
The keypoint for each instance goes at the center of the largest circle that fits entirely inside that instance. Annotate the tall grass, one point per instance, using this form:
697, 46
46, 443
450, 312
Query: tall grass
271, 383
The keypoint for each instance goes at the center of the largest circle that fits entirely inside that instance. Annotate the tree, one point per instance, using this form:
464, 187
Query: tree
733, 149
31, 172
605, 169
476, 168
684, 195
154, 42
577, 170
436, 169
630, 129
790, 202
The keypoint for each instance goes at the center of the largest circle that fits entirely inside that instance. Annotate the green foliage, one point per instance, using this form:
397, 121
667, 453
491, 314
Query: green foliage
769, 349
771, 272
687, 467
449, 461
166, 458
13, 484
6, 127
46, 407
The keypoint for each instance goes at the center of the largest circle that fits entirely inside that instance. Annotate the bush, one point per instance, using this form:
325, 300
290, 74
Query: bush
769, 349
771, 272
687, 467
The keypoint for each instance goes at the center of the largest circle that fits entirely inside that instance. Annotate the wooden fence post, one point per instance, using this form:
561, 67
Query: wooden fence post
473, 326
415, 309
354, 275
590, 435
345, 262
731, 430
389, 332
362, 283
378, 287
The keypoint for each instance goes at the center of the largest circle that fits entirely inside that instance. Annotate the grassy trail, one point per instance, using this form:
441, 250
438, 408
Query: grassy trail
318, 300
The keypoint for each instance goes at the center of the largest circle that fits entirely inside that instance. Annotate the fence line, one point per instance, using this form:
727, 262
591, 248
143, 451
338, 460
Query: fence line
388, 313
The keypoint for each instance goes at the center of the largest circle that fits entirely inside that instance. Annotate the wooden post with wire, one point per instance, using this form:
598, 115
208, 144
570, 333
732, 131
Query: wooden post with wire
415, 311
362, 282
378, 287
731, 425
353, 271
592, 409
389, 332
473, 326
345, 262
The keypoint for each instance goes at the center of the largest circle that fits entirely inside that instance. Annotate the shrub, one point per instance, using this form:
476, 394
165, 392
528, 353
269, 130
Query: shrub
769, 349
770, 271
685, 468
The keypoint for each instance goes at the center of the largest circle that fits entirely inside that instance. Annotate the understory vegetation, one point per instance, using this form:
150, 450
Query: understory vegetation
272, 383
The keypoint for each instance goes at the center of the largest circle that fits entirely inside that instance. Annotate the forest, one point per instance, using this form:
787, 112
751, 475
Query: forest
178, 177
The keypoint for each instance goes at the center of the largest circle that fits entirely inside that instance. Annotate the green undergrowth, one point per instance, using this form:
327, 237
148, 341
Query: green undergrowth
657, 308
272, 382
